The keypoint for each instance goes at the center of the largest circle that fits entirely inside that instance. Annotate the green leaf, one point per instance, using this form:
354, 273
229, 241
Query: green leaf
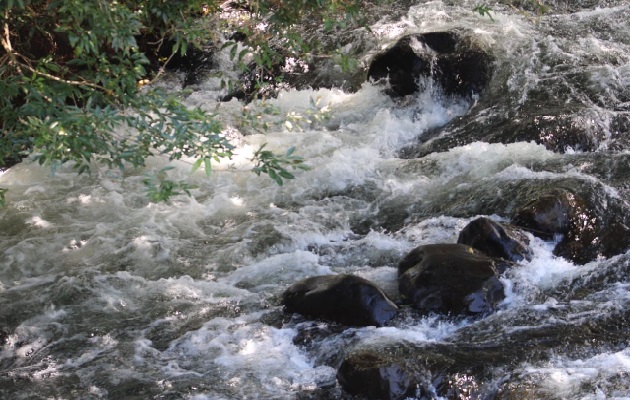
208, 166
197, 164
272, 174
483, 9
285, 174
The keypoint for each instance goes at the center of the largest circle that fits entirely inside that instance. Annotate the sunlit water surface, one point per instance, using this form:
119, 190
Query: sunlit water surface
106, 295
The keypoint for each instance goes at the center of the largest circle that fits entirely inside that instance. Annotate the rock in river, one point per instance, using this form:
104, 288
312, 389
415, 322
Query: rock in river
346, 299
451, 279
587, 222
495, 239
452, 60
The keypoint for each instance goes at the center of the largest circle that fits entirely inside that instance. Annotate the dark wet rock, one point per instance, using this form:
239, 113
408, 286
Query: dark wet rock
450, 59
308, 334
196, 65
496, 240
375, 377
549, 215
582, 223
346, 299
484, 360
557, 132
451, 279
325, 343
398, 371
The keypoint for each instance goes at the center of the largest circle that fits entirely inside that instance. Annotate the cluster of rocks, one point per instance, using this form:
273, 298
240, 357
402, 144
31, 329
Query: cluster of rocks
453, 279
463, 278
448, 278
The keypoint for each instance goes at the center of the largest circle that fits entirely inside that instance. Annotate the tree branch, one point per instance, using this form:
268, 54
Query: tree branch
5, 41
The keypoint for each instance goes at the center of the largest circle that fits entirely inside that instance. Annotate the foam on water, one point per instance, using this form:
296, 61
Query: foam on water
595, 378
106, 289
484, 160
280, 269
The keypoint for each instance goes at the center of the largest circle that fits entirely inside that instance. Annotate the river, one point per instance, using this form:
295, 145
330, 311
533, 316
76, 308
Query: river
104, 295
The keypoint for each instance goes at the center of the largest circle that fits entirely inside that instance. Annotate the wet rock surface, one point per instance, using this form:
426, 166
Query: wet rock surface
457, 370
450, 59
581, 221
398, 371
560, 133
589, 218
482, 360
450, 279
376, 377
496, 240
549, 214
346, 299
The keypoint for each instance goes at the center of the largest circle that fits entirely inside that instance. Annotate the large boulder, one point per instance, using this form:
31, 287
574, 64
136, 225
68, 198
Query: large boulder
346, 299
458, 65
451, 279
496, 240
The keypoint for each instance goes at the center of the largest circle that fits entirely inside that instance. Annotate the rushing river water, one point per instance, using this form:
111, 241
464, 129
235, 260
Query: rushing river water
104, 295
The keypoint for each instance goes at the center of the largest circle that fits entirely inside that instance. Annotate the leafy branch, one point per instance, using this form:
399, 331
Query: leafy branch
161, 189
274, 165
538, 7
483, 10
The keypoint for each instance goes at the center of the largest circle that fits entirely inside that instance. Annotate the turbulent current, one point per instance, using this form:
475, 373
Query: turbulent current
104, 295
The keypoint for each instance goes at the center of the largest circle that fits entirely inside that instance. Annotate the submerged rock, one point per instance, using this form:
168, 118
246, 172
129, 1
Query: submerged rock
453, 61
549, 215
399, 371
558, 133
450, 279
485, 360
375, 377
496, 240
346, 299
581, 223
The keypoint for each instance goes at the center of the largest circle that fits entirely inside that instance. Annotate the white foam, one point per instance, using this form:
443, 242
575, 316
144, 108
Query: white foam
427, 329
162, 271
568, 378
278, 269
484, 160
